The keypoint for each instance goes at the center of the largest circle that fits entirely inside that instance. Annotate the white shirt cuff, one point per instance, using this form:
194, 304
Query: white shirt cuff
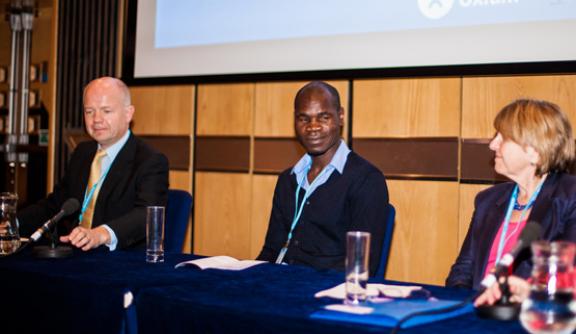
113, 240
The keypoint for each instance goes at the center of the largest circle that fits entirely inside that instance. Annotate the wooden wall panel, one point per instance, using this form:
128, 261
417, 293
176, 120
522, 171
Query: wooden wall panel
406, 108
163, 110
425, 236
274, 109
167, 110
467, 194
222, 214
262, 193
225, 109
484, 97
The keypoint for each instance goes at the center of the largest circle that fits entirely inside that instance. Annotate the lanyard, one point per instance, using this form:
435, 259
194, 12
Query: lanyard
513, 199
298, 209
88, 194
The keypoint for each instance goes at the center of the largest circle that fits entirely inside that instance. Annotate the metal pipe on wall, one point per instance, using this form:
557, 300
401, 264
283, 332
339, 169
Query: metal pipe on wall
27, 18
11, 134
21, 17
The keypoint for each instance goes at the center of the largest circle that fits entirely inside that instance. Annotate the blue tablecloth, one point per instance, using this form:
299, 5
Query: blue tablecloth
80, 294
84, 294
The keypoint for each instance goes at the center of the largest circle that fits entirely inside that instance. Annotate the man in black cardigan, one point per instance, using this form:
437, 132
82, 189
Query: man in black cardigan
329, 192
132, 176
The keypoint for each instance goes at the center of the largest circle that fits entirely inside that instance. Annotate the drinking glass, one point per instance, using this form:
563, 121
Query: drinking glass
155, 234
9, 236
550, 307
357, 259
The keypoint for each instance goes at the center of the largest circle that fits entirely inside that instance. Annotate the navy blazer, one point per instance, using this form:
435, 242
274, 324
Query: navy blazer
138, 177
554, 209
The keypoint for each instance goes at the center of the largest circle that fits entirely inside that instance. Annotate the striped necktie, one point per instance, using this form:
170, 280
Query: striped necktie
95, 173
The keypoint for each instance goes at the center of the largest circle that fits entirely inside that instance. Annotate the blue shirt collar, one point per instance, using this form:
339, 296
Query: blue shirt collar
338, 160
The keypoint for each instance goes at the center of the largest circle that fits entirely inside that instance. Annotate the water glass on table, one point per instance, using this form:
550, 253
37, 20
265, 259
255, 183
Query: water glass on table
155, 234
9, 236
357, 259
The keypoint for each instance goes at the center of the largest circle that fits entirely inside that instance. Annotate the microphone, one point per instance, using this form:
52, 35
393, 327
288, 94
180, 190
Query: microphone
504, 309
69, 206
531, 232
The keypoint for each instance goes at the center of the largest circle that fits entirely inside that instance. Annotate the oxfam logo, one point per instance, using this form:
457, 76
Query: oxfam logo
435, 9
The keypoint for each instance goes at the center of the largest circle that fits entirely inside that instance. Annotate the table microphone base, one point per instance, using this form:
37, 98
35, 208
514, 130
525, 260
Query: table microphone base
48, 252
508, 311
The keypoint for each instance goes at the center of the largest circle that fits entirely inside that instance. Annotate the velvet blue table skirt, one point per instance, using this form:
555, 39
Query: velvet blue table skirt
84, 294
80, 294
273, 299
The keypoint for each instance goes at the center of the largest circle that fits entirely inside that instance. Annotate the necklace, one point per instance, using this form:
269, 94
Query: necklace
520, 207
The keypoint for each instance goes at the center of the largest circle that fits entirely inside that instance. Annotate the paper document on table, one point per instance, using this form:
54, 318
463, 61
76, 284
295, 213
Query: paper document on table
220, 262
373, 290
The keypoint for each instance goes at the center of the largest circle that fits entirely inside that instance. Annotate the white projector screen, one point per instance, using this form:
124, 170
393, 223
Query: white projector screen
176, 38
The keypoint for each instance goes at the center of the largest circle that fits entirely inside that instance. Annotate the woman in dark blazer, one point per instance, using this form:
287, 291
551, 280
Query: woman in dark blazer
534, 147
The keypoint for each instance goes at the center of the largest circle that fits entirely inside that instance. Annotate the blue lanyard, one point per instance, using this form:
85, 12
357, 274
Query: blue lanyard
88, 194
513, 199
298, 209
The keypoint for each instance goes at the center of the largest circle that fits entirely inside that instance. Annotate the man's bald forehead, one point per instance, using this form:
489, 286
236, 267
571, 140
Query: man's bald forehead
112, 82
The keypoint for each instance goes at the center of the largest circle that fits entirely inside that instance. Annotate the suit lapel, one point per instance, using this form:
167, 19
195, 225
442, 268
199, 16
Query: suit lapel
541, 210
86, 164
121, 163
494, 218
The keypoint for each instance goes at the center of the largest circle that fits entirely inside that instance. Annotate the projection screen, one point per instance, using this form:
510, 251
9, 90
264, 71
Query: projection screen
218, 37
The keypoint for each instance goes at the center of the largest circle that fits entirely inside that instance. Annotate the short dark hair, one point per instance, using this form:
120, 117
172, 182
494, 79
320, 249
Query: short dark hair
315, 86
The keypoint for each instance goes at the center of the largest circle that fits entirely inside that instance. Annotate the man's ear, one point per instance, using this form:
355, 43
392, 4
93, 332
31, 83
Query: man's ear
129, 113
341, 116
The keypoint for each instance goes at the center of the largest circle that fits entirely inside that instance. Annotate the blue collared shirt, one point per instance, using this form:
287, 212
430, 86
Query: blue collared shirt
337, 163
111, 153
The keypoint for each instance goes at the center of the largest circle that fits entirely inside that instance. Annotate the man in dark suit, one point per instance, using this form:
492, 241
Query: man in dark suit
114, 177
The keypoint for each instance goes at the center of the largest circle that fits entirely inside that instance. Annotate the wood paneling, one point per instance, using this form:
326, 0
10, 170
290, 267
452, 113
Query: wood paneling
180, 180
274, 110
222, 214
225, 109
425, 236
484, 97
468, 193
222, 153
175, 148
437, 157
406, 108
165, 115
163, 110
273, 155
262, 193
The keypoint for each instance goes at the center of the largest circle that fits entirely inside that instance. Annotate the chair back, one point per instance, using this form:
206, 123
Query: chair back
178, 212
386, 243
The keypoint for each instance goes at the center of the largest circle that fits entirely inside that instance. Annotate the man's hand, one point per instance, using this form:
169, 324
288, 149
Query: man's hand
87, 239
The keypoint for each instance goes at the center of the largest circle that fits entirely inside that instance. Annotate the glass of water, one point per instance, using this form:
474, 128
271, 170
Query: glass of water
155, 234
9, 236
357, 259
550, 307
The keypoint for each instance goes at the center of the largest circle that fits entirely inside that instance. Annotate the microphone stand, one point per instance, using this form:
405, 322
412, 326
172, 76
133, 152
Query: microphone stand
53, 250
503, 309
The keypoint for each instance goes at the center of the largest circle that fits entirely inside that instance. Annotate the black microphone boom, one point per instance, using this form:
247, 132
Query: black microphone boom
69, 207
531, 232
